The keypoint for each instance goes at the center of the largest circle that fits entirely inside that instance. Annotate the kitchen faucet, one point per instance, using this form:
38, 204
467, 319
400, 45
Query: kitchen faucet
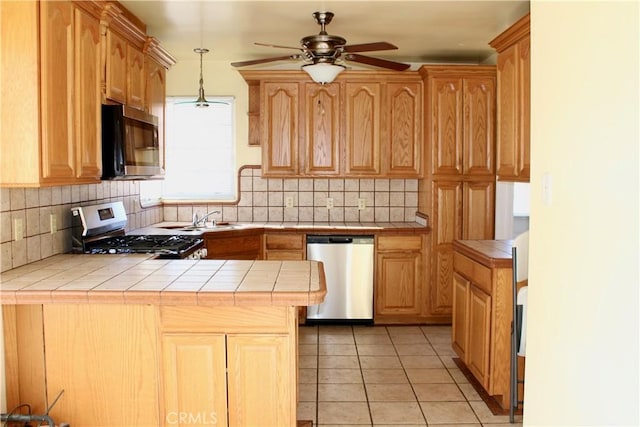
197, 222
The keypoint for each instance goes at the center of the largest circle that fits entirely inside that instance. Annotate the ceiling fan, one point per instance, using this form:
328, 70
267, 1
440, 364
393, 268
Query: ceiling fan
324, 54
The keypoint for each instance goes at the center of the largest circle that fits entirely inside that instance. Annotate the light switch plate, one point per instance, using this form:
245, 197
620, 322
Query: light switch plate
362, 203
329, 203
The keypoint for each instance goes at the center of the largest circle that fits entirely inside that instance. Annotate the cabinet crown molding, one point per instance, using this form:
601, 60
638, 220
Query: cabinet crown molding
117, 17
159, 54
512, 35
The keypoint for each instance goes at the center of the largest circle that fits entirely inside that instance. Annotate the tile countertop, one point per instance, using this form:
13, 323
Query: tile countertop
490, 253
173, 227
140, 279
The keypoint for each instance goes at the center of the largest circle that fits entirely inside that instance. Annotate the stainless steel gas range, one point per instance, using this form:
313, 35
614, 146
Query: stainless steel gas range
100, 229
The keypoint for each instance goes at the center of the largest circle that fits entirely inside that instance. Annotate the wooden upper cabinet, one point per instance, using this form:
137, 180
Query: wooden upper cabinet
363, 103
51, 78
322, 129
513, 74
364, 124
280, 133
87, 110
116, 67
57, 51
479, 128
404, 129
461, 121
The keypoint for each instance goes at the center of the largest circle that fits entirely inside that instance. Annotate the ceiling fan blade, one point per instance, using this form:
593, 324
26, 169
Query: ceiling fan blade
392, 65
368, 47
264, 60
277, 45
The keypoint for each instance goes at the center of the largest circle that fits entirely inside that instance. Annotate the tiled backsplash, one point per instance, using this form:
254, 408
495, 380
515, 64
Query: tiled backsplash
261, 200
34, 207
264, 200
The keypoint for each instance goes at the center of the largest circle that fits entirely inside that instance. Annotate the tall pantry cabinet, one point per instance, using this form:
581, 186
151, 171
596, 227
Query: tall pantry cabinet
459, 187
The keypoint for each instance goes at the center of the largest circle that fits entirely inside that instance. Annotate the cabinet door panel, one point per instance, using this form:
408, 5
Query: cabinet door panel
322, 107
460, 319
155, 99
446, 125
447, 226
280, 128
479, 130
56, 37
479, 335
398, 282
260, 366
507, 113
362, 128
524, 104
404, 128
116, 67
87, 97
135, 78
447, 197
478, 221
194, 379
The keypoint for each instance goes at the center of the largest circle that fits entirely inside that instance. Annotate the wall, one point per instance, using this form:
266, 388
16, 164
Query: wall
263, 200
34, 207
583, 328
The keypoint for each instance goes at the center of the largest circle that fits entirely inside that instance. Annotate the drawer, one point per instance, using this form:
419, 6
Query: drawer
284, 255
224, 319
399, 243
284, 241
477, 273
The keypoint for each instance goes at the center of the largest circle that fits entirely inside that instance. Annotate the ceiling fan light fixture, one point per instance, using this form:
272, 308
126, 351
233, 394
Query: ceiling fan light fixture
323, 72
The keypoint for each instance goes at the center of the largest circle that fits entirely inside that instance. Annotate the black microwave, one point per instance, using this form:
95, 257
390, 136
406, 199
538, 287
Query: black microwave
130, 146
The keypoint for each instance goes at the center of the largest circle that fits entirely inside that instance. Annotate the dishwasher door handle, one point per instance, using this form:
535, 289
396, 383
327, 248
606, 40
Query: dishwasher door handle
341, 240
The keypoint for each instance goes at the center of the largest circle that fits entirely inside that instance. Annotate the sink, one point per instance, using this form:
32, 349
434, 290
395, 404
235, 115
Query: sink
183, 227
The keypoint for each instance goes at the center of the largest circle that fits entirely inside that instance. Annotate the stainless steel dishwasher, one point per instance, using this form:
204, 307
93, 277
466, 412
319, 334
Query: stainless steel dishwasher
348, 269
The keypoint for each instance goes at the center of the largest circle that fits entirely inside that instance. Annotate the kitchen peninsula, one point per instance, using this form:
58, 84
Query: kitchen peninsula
139, 341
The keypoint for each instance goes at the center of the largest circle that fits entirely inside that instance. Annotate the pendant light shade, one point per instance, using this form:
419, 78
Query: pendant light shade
201, 102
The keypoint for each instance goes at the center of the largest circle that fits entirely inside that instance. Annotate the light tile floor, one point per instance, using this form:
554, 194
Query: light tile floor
386, 376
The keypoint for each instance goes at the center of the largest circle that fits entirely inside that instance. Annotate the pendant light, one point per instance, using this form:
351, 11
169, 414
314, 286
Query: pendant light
201, 102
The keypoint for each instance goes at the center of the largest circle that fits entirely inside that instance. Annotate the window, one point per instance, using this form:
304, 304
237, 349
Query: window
199, 153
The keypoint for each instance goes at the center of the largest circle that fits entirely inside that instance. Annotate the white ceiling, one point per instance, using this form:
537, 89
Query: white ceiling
424, 31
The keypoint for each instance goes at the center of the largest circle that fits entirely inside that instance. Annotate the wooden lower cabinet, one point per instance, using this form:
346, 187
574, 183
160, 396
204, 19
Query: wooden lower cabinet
147, 365
482, 318
239, 244
398, 278
285, 246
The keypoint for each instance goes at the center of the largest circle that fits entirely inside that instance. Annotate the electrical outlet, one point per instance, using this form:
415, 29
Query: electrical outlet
53, 222
362, 203
18, 229
329, 203
288, 202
